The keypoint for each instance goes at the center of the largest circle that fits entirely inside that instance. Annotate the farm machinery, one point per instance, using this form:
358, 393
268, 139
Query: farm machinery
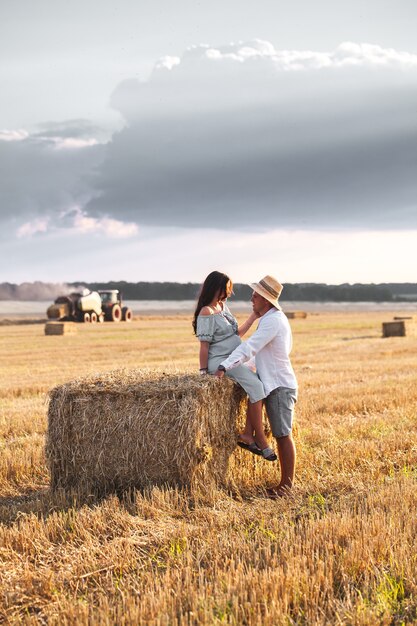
90, 306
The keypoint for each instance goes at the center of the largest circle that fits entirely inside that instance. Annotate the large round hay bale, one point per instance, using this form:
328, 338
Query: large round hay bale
136, 428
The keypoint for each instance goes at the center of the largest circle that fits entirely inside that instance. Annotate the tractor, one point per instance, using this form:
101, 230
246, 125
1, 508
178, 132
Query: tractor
111, 303
90, 306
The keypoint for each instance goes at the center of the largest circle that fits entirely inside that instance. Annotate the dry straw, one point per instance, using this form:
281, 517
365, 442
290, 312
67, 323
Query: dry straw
60, 328
133, 428
295, 315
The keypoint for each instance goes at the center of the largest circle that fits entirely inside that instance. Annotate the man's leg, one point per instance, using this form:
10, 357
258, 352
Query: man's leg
280, 409
287, 457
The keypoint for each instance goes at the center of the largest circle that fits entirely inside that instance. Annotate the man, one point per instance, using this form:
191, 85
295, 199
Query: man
270, 346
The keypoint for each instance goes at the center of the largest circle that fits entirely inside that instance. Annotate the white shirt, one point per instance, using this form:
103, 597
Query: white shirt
270, 345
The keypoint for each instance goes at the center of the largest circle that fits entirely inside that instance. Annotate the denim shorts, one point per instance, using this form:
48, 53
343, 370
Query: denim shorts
279, 407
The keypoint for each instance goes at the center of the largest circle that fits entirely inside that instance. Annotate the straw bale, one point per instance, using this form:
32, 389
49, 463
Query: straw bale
296, 314
60, 328
134, 428
393, 329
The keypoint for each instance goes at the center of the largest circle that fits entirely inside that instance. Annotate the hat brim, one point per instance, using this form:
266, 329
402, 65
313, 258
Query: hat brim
263, 292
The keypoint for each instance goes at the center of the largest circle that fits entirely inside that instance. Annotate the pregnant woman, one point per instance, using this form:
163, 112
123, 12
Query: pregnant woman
219, 335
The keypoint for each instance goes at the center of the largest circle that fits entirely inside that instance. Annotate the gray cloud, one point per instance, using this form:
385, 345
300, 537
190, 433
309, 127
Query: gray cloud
79, 128
47, 173
242, 137
251, 137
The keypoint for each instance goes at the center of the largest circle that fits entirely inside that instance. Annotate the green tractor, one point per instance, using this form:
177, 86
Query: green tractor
111, 304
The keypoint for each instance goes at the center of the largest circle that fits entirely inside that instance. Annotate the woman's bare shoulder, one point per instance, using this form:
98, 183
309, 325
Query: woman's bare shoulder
206, 310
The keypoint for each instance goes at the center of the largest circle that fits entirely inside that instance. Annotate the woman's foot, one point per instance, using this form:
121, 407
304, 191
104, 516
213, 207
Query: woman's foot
268, 454
261, 440
250, 447
248, 443
246, 438
266, 451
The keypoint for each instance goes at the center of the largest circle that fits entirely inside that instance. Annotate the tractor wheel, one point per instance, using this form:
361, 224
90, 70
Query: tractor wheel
86, 317
93, 317
101, 318
116, 313
127, 314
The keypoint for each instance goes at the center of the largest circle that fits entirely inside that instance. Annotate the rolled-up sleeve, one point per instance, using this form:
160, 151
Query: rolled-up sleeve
247, 350
205, 328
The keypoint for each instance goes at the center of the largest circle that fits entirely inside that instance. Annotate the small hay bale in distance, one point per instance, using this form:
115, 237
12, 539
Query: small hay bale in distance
393, 329
60, 328
136, 428
294, 315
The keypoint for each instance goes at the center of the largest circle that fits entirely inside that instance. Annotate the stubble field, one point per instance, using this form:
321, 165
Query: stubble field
341, 550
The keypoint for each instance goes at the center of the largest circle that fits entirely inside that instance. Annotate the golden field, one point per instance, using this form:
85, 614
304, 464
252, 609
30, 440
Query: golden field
340, 550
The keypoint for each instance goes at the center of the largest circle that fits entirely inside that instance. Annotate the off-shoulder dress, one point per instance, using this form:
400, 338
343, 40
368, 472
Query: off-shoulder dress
220, 330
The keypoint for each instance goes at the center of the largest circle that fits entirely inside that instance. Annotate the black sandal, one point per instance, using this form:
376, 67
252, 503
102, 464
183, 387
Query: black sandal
250, 447
268, 454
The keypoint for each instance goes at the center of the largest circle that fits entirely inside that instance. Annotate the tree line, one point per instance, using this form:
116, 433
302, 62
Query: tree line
310, 292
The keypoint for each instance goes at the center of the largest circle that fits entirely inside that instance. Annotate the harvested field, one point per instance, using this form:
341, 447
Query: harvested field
340, 550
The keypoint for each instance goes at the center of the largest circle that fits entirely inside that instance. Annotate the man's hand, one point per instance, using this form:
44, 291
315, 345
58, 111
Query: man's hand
219, 373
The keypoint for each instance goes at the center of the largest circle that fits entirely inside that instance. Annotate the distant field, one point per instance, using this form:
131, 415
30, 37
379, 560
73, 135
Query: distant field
341, 550
20, 309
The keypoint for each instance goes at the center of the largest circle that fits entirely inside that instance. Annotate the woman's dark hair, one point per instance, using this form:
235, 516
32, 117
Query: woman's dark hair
215, 282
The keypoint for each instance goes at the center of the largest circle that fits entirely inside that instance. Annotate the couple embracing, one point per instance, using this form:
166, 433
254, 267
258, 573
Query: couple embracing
222, 353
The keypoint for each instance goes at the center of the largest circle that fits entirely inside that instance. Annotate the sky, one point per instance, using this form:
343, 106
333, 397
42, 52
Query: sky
159, 141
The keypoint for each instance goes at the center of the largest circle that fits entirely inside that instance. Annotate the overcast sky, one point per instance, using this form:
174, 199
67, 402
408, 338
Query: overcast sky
161, 140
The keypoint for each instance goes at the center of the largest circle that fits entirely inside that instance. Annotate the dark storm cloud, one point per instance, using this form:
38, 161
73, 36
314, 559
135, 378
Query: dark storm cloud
250, 137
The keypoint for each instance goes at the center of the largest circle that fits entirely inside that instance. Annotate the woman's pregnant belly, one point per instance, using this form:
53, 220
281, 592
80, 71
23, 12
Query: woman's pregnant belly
224, 348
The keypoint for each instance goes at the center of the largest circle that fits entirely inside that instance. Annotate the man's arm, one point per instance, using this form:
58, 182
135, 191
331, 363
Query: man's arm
247, 350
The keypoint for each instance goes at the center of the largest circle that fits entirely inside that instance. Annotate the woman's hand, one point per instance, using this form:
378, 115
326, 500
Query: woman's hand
243, 328
253, 317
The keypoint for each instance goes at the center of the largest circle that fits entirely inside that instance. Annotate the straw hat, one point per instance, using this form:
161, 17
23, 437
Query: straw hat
269, 288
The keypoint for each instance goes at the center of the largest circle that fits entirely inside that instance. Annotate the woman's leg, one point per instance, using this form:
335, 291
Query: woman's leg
247, 434
254, 430
255, 417
250, 382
